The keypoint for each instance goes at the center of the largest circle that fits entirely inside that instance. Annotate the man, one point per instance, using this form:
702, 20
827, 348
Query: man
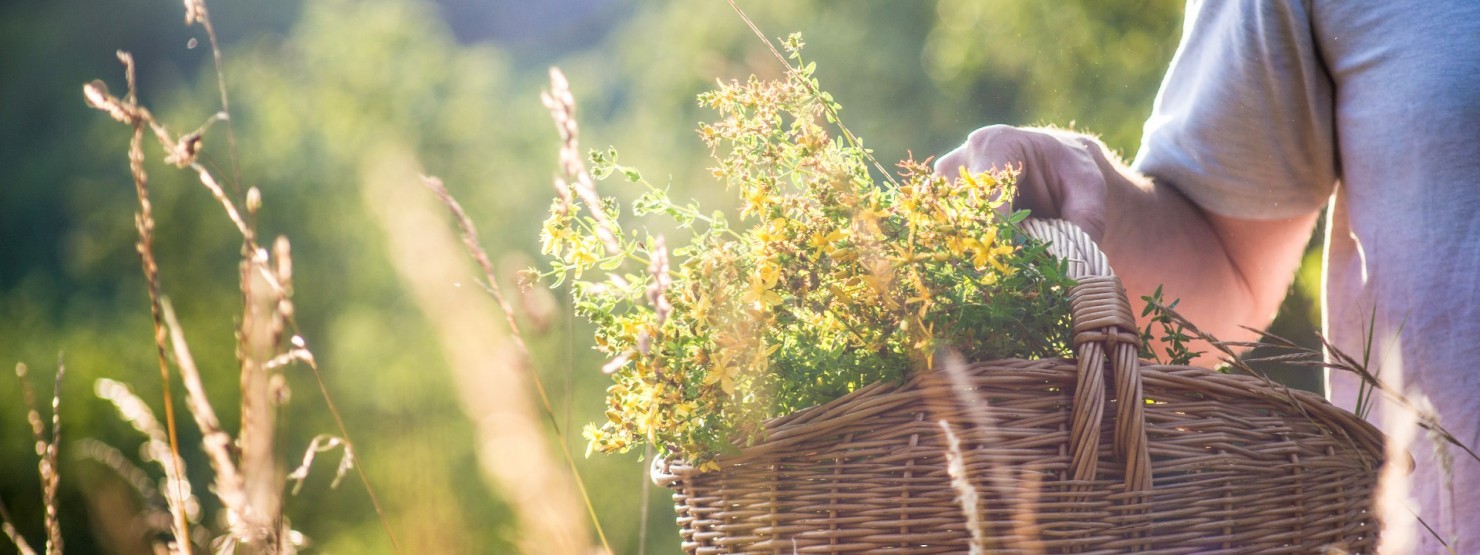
1271, 110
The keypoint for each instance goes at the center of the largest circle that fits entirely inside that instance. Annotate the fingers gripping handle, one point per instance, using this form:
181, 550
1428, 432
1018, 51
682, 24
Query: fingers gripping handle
1104, 328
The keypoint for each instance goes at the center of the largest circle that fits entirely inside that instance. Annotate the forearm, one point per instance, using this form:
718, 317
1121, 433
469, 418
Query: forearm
1229, 273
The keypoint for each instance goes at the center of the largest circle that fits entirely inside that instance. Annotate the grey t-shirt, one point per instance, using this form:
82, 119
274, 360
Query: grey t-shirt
1273, 108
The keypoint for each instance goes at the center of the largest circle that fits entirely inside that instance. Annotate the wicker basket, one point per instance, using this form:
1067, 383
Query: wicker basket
1197, 462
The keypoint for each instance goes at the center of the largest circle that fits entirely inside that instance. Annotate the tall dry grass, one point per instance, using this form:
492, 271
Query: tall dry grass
249, 479
47, 449
489, 362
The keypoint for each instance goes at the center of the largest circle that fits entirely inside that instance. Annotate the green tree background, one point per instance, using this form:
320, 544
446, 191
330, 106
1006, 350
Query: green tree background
317, 87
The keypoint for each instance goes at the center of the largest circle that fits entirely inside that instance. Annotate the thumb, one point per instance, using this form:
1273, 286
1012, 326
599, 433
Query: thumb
949, 164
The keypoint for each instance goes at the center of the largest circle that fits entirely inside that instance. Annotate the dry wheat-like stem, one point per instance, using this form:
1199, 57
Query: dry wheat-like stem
1428, 419
257, 339
658, 270
128, 111
196, 12
473, 245
562, 106
210, 184
492, 377
156, 518
7, 527
965, 493
34, 419
322, 443
215, 441
474, 248
50, 472
1020, 496
181, 502
255, 490
266, 284
46, 451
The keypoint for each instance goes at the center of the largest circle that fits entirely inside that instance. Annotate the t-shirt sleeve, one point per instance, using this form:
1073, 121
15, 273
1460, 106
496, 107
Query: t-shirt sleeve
1242, 124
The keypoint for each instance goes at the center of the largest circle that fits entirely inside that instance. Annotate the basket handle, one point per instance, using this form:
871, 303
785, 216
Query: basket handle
1104, 327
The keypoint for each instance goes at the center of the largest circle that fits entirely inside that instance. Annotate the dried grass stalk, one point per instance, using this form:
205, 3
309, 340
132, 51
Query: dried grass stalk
965, 493
8, 528
46, 451
50, 472
321, 443
250, 481
562, 106
156, 516
483, 356
215, 441
1021, 492
128, 111
257, 338
179, 499
560, 97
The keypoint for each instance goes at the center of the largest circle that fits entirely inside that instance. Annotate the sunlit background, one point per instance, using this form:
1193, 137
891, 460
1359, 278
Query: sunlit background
337, 107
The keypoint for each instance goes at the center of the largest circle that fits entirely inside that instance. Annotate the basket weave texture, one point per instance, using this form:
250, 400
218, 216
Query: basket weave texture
1195, 462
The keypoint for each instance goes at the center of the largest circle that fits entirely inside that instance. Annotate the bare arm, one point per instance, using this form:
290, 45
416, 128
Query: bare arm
1228, 272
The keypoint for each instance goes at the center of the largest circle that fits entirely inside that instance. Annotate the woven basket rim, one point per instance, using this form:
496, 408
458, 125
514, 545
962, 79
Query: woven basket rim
815, 421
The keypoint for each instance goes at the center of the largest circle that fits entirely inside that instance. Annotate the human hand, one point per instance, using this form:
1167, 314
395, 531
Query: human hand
1060, 174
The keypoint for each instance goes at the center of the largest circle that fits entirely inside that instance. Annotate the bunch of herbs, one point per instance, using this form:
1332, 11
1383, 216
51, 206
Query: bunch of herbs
826, 281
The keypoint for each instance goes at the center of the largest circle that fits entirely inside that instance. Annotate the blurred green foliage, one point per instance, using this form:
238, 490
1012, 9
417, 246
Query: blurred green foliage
318, 87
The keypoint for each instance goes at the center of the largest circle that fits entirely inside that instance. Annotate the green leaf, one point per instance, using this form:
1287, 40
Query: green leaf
684, 219
652, 201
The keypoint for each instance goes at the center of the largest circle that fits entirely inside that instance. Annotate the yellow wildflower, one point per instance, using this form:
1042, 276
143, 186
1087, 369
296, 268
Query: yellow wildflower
985, 251
826, 243
773, 232
724, 373
701, 308
757, 200
582, 256
759, 293
631, 327
594, 438
924, 299
956, 244
769, 270
926, 343
553, 237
